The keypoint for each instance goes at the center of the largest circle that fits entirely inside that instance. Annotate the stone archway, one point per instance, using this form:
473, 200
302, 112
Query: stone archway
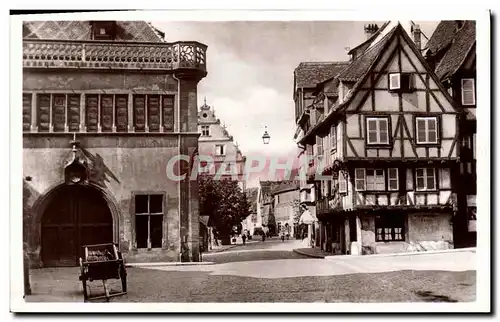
75, 215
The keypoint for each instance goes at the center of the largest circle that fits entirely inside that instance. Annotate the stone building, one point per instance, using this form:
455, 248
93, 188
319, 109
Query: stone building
224, 156
108, 107
385, 151
286, 207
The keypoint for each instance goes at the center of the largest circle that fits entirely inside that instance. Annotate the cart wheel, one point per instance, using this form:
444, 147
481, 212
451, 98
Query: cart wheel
84, 281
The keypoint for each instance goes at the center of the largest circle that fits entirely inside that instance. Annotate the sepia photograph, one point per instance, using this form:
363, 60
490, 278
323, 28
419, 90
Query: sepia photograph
190, 161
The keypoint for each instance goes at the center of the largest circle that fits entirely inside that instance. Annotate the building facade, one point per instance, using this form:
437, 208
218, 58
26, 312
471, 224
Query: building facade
286, 207
224, 156
451, 52
384, 157
107, 106
251, 222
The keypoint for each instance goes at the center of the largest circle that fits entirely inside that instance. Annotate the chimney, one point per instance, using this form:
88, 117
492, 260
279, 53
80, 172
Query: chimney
417, 36
370, 29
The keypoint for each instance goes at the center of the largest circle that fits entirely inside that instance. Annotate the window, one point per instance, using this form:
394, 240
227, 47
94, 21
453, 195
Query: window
401, 82
58, 112
219, 149
393, 179
377, 130
277, 199
149, 220
394, 81
205, 130
427, 130
359, 178
426, 179
319, 146
468, 91
342, 183
333, 138
27, 111
153, 111
103, 30
375, 179
390, 228
369, 179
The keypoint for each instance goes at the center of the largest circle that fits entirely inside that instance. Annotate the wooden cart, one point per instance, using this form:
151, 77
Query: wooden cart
102, 262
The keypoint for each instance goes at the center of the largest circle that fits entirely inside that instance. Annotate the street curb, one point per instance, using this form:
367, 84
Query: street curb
430, 252
167, 264
308, 255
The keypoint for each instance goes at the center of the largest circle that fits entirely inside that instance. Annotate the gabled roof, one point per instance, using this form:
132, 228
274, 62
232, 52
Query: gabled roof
442, 37
360, 66
365, 63
309, 74
364, 45
140, 31
459, 50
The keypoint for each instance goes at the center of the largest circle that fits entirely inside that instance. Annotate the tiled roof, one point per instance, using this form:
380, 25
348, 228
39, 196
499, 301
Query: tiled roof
252, 198
266, 187
140, 31
458, 51
309, 74
361, 65
442, 36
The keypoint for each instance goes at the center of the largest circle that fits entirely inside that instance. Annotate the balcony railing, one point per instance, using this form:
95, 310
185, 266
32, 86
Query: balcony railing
43, 53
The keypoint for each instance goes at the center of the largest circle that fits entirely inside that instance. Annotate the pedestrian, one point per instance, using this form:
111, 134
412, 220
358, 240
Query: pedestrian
244, 238
283, 236
263, 236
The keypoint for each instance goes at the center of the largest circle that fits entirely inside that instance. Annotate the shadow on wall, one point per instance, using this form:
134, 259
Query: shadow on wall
99, 173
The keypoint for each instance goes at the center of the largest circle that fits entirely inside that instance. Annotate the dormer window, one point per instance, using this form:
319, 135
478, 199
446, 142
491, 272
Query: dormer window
400, 82
103, 30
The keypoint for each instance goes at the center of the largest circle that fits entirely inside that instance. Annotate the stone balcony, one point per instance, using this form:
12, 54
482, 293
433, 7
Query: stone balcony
182, 56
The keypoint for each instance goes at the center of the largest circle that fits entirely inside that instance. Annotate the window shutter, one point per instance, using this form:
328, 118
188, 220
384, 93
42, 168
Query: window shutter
121, 110
383, 131
372, 130
468, 95
153, 113
58, 112
91, 111
139, 113
74, 113
342, 183
421, 133
432, 130
107, 113
168, 113
394, 81
393, 179
359, 178
26, 112
333, 137
319, 146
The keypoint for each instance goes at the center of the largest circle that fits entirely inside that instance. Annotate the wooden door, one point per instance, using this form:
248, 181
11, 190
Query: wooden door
76, 216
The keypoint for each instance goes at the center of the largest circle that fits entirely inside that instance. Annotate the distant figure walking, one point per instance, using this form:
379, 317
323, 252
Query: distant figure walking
263, 237
244, 238
282, 236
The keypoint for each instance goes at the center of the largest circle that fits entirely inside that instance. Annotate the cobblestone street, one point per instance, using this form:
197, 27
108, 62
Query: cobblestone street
269, 272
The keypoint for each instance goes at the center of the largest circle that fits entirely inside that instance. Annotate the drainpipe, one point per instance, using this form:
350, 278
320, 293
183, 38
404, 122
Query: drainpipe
177, 128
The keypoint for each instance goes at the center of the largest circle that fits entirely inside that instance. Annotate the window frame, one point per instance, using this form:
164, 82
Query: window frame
389, 179
223, 153
377, 119
389, 228
473, 90
342, 179
319, 145
426, 118
205, 128
149, 214
390, 83
425, 177
333, 139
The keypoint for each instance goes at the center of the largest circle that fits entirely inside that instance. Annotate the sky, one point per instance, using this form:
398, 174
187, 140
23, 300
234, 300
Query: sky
250, 71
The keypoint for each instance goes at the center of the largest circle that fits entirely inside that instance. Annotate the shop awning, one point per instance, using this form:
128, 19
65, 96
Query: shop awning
307, 218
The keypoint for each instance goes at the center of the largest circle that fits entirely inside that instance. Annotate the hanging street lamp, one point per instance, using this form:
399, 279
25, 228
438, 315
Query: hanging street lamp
266, 137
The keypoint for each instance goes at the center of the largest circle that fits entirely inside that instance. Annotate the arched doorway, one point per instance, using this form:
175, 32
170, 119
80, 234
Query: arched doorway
75, 216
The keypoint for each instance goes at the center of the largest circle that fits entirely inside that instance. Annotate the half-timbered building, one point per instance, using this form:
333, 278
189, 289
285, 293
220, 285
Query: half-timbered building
451, 51
385, 153
107, 106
